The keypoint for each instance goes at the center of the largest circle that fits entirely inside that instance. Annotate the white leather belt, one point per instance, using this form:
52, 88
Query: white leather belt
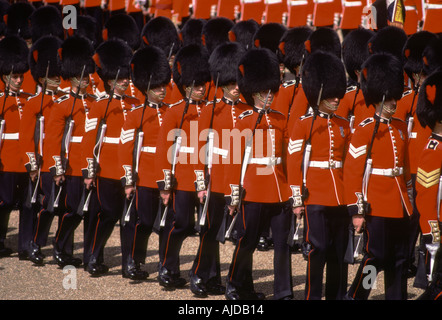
149, 149
187, 149
111, 140
322, 1
433, 6
250, 1
393, 172
267, 161
352, 3
409, 8
272, 1
10, 136
76, 139
222, 152
331, 164
298, 3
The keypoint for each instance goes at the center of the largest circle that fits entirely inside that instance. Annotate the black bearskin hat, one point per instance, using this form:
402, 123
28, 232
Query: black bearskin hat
258, 71
76, 54
162, 33
355, 50
150, 64
17, 19
432, 56
243, 32
388, 40
86, 27
292, 46
268, 36
382, 74
14, 55
216, 32
324, 39
429, 104
122, 26
413, 51
192, 31
112, 58
323, 69
44, 53
46, 20
191, 65
224, 63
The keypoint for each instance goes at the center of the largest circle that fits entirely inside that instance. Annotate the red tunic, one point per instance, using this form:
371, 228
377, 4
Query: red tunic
28, 125
329, 143
55, 131
224, 120
386, 192
265, 179
427, 186
115, 117
188, 154
10, 155
152, 121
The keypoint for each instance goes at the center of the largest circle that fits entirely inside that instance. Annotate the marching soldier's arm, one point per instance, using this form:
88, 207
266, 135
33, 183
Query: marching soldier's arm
91, 126
54, 138
126, 149
26, 136
354, 171
427, 189
295, 152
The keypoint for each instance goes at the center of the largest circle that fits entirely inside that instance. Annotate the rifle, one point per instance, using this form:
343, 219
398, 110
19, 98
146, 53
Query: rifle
2, 120
138, 144
38, 137
176, 151
410, 118
100, 138
209, 155
298, 80
308, 149
351, 116
244, 163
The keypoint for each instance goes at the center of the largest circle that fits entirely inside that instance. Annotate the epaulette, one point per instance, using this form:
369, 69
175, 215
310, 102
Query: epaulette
432, 144
245, 114
340, 117
366, 121
35, 95
289, 83
65, 90
176, 103
406, 93
350, 89
276, 111
102, 97
137, 107
211, 101
306, 116
398, 119
62, 98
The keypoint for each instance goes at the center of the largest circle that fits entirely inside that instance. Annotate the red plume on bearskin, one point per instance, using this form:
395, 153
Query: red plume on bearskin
45, 51
429, 104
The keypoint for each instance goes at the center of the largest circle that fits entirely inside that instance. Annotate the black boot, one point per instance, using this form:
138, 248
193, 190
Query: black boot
64, 259
133, 271
170, 280
95, 268
35, 254
197, 285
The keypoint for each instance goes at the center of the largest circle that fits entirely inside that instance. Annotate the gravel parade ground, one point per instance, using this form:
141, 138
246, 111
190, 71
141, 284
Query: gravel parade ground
22, 280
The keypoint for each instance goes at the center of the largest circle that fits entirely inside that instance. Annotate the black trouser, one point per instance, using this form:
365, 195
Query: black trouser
253, 218
387, 242
414, 225
207, 262
111, 196
12, 185
137, 230
327, 233
71, 218
178, 229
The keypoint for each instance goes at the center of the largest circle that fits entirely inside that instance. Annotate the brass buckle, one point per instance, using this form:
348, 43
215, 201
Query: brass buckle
395, 172
332, 164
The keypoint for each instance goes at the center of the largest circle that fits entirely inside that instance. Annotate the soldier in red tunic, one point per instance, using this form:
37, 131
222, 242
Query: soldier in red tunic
13, 66
65, 130
316, 151
216, 121
378, 183
137, 151
428, 182
45, 68
100, 145
259, 175
177, 152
